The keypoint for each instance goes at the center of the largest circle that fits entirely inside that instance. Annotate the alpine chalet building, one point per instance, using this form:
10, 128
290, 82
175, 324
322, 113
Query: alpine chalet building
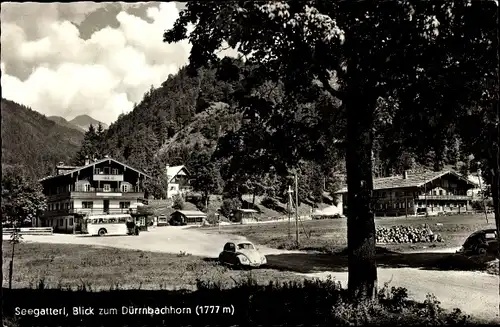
430, 193
103, 186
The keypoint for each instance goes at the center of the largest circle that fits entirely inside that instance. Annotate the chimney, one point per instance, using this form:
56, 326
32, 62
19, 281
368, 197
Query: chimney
87, 160
405, 174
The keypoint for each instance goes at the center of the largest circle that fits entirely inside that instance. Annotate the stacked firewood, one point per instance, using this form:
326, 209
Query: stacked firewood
406, 234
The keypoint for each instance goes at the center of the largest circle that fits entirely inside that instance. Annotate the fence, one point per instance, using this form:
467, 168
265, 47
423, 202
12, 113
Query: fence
30, 231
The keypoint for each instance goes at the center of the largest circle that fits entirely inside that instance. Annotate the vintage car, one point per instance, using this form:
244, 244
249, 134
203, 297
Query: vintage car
241, 255
481, 242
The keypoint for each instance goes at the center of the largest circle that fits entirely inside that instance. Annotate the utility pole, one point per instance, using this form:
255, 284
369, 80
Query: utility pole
289, 205
482, 195
296, 210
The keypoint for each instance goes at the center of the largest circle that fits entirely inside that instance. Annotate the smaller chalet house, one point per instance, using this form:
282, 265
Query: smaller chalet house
245, 216
188, 217
412, 194
103, 186
178, 180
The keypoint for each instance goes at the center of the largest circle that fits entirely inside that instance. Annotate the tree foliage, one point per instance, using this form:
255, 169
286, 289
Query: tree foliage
22, 197
33, 141
93, 145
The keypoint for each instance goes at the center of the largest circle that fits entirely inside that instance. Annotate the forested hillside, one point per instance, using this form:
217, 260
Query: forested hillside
33, 141
193, 119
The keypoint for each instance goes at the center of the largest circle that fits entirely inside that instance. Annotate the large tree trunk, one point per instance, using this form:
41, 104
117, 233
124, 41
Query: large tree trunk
362, 282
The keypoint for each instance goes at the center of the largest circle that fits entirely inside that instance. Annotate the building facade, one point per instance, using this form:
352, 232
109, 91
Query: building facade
99, 187
430, 193
178, 181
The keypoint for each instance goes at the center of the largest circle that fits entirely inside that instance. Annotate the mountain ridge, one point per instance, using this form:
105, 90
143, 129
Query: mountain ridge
34, 141
84, 121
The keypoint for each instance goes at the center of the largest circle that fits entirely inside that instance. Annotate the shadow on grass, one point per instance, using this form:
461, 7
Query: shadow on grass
316, 262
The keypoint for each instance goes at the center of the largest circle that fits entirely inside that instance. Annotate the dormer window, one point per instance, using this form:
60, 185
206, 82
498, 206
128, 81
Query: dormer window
86, 187
107, 187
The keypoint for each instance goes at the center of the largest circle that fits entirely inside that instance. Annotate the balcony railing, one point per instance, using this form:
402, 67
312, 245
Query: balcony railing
108, 190
445, 197
108, 177
87, 211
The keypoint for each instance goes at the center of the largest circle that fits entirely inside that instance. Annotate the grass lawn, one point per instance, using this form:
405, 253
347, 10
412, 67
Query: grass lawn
75, 266
330, 235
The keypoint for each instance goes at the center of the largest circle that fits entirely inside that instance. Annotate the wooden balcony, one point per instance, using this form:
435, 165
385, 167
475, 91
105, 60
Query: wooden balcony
108, 177
100, 193
450, 197
88, 211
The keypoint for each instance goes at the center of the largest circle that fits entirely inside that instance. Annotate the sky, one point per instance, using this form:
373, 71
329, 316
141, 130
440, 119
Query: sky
69, 59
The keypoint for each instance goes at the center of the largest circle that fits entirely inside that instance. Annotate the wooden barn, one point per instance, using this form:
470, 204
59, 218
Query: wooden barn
185, 217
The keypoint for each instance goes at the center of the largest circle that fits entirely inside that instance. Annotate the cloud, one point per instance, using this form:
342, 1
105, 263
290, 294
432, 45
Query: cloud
48, 65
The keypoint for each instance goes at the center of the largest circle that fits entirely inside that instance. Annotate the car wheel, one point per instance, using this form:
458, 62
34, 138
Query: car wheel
102, 232
481, 251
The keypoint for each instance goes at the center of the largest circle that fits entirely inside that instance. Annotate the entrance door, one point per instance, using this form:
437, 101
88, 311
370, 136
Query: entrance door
106, 206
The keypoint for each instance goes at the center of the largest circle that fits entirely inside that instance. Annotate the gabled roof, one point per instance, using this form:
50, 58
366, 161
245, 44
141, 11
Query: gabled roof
174, 171
191, 213
69, 172
412, 180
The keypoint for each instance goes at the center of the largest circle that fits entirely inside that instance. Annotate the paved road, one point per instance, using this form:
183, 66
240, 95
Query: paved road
474, 292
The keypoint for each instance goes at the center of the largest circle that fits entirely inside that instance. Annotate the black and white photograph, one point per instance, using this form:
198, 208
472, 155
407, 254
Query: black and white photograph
285, 163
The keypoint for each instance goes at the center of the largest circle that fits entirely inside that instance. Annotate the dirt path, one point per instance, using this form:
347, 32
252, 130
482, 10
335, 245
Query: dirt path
163, 239
474, 292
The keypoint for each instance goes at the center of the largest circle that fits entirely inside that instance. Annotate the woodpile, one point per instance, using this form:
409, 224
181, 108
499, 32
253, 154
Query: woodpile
406, 234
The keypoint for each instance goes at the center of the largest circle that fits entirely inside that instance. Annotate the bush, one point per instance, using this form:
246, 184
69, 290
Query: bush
229, 206
212, 218
178, 203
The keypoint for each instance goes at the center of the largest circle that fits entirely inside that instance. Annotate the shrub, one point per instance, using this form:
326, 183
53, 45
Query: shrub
178, 202
229, 206
212, 218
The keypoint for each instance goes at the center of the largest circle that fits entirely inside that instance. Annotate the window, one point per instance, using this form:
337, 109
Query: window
383, 194
70, 222
111, 221
434, 192
57, 206
66, 206
403, 205
394, 205
86, 187
87, 204
440, 192
115, 171
107, 187
125, 188
61, 222
172, 188
97, 171
124, 205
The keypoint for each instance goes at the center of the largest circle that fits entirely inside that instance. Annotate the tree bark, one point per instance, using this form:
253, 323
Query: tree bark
362, 276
